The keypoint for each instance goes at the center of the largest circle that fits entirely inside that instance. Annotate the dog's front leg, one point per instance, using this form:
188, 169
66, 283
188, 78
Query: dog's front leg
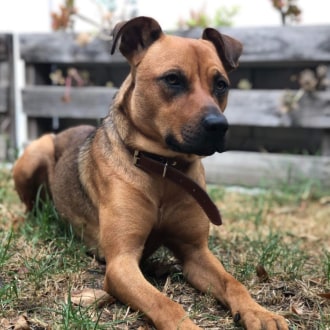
123, 232
203, 270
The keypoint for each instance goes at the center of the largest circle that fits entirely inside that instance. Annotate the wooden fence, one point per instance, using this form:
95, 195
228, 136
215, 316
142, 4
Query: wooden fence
6, 96
268, 145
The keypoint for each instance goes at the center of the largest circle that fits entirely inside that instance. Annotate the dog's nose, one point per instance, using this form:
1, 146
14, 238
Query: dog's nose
215, 123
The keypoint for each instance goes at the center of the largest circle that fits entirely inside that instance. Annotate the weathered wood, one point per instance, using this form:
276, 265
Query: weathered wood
263, 108
280, 44
325, 148
268, 170
4, 76
3, 148
251, 108
4, 46
291, 44
3, 99
86, 102
275, 139
61, 47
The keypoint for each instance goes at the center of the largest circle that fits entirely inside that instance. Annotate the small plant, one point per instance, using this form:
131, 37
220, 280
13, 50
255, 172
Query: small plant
63, 20
68, 13
78, 317
73, 77
326, 261
309, 81
8, 294
216, 193
4, 185
4, 248
279, 257
223, 17
288, 9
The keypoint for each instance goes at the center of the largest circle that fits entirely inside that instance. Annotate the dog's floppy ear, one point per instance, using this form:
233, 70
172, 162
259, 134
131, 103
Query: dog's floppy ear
229, 49
136, 36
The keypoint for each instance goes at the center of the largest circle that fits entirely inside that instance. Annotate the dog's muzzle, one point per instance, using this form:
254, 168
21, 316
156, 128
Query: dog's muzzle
203, 139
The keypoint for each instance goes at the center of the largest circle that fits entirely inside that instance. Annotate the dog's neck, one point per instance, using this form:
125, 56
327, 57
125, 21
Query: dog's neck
175, 162
173, 170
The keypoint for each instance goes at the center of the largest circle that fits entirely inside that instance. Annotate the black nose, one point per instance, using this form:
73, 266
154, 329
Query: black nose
215, 123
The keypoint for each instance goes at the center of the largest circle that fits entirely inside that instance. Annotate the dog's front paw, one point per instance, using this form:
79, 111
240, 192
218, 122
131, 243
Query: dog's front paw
260, 319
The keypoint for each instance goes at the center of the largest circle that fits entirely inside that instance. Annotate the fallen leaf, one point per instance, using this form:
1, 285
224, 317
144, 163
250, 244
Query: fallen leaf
262, 273
167, 284
315, 281
324, 295
325, 200
296, 310
22, 323
88, 297
38, 324
286, 210
5, 324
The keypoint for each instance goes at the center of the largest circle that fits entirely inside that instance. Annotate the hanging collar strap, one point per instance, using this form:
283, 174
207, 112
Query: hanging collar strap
171, 169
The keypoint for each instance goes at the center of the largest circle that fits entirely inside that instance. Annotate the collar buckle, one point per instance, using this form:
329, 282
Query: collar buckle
136, 157
165, 169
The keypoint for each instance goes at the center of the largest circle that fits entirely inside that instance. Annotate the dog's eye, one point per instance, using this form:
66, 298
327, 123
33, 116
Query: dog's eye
173, 79
220, 86
173, 83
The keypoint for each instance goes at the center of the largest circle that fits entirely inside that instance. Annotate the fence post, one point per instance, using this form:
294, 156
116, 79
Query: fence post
21, 135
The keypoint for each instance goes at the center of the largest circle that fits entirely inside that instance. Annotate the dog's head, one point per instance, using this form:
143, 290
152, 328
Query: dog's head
178, 87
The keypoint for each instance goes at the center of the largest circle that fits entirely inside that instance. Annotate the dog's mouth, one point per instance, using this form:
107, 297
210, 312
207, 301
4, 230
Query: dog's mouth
197, 147
202, 139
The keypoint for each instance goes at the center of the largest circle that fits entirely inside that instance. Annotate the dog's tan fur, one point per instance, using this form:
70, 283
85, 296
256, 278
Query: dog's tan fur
123, 213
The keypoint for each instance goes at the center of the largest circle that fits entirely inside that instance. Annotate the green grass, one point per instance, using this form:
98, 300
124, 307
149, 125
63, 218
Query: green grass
326, 260
4, 248
286, 232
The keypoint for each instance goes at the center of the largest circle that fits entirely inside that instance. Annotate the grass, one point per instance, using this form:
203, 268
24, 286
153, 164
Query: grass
276, 242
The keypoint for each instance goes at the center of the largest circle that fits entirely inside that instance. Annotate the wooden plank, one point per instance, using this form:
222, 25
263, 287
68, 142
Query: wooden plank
3, 47
4, 74
3, 148
275, 139
295, 44
3, 99
61, 47
86, 102
291, 44
263, 108
325, 147
260, 169
253, 107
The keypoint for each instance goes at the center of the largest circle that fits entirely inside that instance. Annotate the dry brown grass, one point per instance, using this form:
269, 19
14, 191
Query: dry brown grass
287, 234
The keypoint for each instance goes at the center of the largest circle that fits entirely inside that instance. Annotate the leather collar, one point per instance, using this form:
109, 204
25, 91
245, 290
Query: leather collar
171, 169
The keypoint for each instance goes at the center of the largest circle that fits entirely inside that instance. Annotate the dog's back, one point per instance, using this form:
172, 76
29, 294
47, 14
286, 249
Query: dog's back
36, 166
70, 196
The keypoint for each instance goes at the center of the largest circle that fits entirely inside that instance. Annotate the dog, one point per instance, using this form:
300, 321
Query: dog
137, 182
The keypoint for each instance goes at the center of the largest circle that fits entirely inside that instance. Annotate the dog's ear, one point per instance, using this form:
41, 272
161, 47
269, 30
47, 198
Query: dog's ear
229, 49
136, 36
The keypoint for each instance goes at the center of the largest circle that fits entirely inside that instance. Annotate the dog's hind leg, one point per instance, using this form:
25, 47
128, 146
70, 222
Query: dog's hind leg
35, 168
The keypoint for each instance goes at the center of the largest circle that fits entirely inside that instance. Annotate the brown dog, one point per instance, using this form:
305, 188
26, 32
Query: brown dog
170, 107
